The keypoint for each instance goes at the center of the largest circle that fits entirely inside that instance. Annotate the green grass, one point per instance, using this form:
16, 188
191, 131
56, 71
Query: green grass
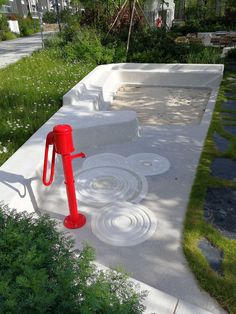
222, 288
31, 92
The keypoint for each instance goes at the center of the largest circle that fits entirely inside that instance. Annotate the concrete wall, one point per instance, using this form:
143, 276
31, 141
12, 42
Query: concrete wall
83, 108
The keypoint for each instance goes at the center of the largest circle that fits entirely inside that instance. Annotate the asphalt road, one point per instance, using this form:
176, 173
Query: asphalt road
13, 50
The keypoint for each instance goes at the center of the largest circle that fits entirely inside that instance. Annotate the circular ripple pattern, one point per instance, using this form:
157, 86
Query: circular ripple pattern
106, 159
148, 164
124, 224
103, 185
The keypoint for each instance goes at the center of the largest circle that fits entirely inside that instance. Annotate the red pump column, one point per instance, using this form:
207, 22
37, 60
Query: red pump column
61, 139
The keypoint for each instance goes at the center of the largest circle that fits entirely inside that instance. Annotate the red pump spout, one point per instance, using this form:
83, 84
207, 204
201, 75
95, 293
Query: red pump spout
62, 141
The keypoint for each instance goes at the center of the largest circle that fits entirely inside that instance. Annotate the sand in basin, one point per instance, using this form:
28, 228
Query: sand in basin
163, 105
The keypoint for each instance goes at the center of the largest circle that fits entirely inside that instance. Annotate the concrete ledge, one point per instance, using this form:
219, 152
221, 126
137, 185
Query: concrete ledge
89, 129
160, 302
100, 85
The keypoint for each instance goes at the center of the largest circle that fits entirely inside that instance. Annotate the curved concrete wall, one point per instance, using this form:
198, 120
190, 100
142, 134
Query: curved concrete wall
86, 108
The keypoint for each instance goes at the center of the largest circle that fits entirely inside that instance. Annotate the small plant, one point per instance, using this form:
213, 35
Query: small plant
28, 26
204, 55
50, 17
40, 272
85, 44
8, 36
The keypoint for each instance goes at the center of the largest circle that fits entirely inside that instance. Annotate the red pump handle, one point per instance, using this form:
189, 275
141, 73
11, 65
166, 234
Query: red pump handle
49, 141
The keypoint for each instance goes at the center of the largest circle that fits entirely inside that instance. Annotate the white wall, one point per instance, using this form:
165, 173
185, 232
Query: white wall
14, 26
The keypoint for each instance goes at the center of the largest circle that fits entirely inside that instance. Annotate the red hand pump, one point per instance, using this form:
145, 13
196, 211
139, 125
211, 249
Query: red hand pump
61, 139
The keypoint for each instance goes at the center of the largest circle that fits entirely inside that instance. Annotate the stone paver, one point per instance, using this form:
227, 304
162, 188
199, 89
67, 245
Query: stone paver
213, 255
229, 105
221, 143
220, 210
224, 168
231, 129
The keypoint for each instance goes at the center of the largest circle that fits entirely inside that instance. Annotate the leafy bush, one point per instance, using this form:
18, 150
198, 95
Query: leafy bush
42, 273
8, 36
231, 55
154, 45
85, 44
3, 23
5, 33
54, 41
208, 25
28, 26
201, 54
50, 17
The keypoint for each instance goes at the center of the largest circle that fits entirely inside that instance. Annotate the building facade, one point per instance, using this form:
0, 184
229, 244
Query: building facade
25, 7
160, 8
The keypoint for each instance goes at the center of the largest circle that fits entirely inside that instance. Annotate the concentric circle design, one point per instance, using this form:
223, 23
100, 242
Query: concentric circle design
106, 159
148, 164
103, 185
124, 224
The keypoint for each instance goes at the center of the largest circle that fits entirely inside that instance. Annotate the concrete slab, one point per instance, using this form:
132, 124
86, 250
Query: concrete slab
187, 308
162, 303
159, 261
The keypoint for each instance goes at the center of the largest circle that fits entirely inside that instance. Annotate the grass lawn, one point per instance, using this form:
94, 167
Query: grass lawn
222, 288
31, 92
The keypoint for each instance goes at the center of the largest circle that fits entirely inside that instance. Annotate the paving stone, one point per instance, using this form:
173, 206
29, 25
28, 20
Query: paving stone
187, 308
222, 143
231, 129
224, 168
229, 105
220, 210
213, 255
229, 94
230, 66
229, 115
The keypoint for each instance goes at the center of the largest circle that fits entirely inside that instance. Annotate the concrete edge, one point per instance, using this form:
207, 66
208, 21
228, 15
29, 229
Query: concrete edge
160, 302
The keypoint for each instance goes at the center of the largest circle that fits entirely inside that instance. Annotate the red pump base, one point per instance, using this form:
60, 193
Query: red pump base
74, 224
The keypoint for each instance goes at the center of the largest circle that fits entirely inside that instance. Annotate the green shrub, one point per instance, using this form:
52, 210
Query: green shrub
3, 27
8, 36
3, 23
28, 26
153, 46
50, 17
54, 41
40, 272
200, 54
231, 55
86, 45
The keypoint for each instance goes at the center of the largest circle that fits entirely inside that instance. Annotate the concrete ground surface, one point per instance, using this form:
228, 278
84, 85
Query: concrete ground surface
158, 261
12, 51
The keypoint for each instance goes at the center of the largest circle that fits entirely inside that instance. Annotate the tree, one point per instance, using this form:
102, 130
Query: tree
2, 2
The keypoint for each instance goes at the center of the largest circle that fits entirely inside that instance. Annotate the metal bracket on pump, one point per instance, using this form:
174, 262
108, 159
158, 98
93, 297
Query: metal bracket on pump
61, 139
